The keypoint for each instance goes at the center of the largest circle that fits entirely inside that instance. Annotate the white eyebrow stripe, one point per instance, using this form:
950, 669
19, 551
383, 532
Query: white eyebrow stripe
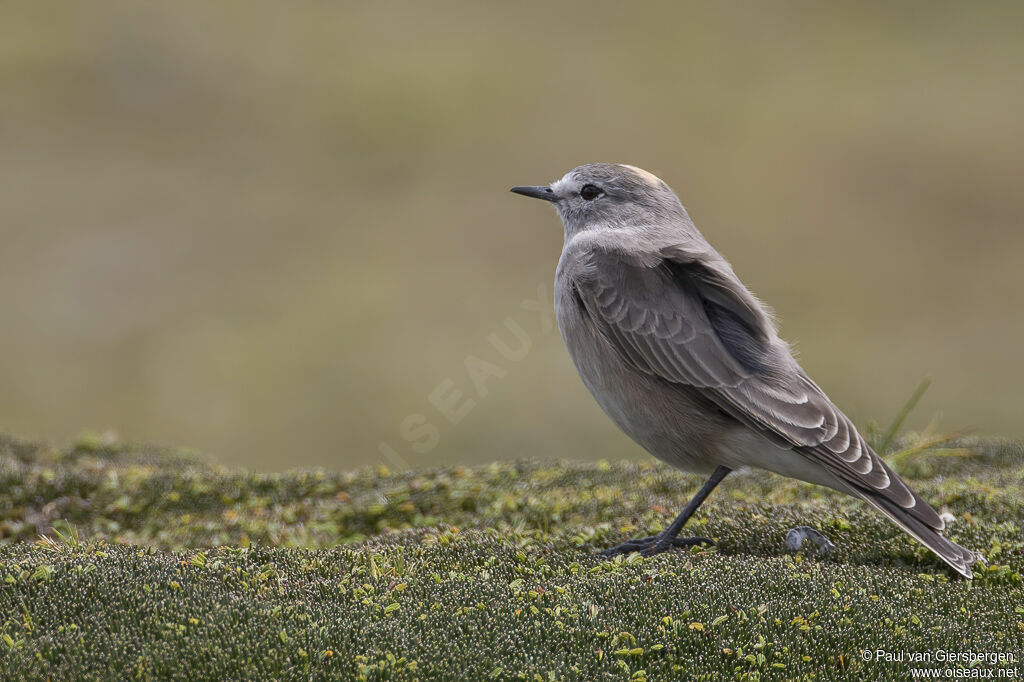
558, 184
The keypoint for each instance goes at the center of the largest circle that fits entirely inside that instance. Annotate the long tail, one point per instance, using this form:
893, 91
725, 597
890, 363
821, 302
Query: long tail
953, 554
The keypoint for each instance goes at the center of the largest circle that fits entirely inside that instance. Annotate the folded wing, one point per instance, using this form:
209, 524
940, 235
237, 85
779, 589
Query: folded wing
688, 320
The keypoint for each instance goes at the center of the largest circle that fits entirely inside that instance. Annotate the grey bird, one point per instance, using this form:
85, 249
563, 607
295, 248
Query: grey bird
688, 362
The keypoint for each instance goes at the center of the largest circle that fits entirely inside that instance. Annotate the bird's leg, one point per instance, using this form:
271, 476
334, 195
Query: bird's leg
667, 538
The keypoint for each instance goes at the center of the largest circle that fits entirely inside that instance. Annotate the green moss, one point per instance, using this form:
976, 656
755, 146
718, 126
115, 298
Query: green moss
484, 573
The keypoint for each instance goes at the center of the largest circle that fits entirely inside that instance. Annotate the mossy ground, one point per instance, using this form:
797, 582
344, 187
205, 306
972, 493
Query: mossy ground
159, 566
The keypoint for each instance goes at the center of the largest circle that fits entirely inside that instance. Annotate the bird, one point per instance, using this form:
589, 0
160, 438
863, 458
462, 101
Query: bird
686, 361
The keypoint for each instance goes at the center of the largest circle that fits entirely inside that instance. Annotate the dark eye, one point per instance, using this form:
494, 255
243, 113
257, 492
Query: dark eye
590, 192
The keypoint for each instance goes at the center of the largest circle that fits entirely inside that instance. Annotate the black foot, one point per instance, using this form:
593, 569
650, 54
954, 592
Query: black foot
650, 545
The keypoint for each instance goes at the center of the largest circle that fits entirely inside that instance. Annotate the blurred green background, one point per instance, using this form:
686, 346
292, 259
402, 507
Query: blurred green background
269, 231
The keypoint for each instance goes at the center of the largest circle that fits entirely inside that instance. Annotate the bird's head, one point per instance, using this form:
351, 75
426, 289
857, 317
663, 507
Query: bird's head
613, 195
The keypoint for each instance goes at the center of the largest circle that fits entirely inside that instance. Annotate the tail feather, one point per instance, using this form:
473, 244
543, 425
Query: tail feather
957, 557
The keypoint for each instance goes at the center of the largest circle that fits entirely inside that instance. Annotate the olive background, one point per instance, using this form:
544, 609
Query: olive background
271, 231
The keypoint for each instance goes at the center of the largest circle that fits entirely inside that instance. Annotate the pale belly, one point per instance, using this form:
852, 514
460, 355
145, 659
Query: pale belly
664, 420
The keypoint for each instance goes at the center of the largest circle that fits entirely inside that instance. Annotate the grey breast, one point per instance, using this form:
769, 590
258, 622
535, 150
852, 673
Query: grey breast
667, 420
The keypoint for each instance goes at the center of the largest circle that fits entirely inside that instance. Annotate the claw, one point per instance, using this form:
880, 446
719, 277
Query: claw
796, 536
651, 545
630, 546
659, 547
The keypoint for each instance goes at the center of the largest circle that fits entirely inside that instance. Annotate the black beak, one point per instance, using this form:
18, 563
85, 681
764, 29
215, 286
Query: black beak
536, 191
